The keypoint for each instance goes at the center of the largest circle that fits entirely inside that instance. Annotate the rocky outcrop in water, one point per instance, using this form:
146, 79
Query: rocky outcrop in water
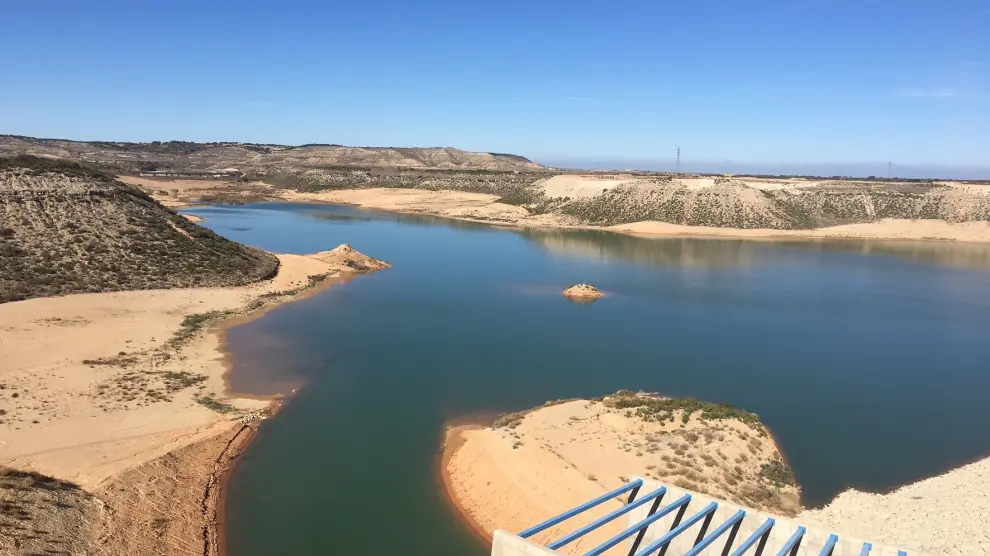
583, 291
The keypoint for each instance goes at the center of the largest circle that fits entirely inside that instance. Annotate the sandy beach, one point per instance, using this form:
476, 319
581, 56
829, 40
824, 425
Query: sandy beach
515, 478
123, 394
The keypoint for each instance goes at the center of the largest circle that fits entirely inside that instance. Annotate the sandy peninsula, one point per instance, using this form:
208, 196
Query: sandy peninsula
530, 466
115, 404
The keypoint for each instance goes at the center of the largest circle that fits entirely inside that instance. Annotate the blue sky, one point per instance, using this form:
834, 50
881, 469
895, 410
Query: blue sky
751, 83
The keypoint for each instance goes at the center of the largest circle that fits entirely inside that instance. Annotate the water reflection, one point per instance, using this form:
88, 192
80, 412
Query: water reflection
728, 252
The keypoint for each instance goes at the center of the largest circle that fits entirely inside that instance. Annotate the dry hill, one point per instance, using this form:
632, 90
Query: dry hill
186, 156
67, 229
541, 196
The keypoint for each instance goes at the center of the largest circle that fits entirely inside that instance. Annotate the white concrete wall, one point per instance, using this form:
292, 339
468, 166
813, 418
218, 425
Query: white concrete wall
508, 544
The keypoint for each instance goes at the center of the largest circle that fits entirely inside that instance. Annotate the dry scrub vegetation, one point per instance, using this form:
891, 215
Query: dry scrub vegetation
714, 449
67, 229
42, 515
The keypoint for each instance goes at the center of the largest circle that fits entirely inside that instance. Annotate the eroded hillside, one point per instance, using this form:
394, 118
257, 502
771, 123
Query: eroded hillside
746, 204
67, 229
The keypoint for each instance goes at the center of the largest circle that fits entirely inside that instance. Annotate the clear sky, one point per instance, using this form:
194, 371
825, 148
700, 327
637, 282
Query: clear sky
584, 82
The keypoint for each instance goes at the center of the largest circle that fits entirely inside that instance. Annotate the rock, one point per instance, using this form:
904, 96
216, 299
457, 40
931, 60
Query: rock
583, 291
345, 258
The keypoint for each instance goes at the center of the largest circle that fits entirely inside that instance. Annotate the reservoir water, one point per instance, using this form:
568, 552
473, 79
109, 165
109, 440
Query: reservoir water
867, 360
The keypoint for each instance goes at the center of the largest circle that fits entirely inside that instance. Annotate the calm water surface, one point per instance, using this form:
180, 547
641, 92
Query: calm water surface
868, 361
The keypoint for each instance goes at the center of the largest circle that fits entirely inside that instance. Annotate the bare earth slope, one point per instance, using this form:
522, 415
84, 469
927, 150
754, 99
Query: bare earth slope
66, 229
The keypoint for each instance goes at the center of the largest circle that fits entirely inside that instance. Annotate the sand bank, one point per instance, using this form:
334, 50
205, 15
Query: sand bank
558, 457
112, 391
541, 463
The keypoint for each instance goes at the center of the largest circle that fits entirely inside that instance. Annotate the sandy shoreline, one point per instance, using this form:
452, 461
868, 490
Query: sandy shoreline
118, 393
453, 440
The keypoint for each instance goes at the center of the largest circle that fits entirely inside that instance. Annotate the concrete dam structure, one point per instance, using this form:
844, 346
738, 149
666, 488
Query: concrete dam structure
664, 520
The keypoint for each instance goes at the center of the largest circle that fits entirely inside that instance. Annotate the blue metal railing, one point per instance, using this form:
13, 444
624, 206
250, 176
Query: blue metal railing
663, 541
634, 486
656, 494
756, 541
761, 534
733, 523
680, 504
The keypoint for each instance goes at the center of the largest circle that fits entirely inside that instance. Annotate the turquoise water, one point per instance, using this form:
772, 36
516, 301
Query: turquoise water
868, 361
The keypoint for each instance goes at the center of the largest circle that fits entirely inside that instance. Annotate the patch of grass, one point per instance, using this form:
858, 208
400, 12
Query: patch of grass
313, 280
659, 410
120, 360
777, 473
215, 404
179, 380
192, 324
510, 420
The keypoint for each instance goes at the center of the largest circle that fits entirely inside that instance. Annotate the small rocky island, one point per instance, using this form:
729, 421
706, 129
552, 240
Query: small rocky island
585, 292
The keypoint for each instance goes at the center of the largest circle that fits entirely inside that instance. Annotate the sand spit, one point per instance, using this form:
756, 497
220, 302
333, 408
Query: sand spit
530, 466
122, 395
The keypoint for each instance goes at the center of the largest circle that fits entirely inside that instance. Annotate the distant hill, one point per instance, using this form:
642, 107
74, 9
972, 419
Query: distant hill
188, 156
65, 228
605, 200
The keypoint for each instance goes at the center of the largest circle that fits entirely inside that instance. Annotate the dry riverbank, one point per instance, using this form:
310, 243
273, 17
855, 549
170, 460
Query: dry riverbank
121, 398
